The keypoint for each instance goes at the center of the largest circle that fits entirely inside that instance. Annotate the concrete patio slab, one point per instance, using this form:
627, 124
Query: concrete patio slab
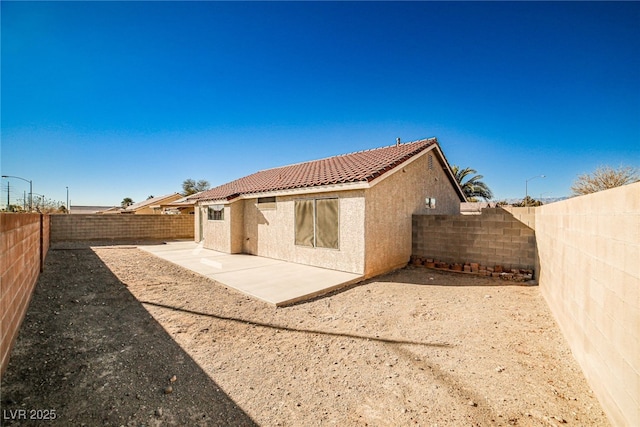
274, 281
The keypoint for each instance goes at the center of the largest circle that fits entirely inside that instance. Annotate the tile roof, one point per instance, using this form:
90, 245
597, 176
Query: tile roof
150, 201
184, 201
362, 166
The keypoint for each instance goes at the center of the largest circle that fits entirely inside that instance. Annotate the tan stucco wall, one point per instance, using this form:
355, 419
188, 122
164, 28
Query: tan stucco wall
196, 223
378, 224
236, 216
264, 228
217, 234
589, 249
271, 232
390, 205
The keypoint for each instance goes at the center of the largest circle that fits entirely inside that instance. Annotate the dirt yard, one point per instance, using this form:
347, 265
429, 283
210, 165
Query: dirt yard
111, 328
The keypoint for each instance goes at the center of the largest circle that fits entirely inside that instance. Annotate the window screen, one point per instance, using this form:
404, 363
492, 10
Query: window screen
304, 222
327, 223
317, 223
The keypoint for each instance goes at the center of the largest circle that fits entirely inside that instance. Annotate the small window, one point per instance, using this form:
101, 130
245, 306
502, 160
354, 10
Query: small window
267, 202
216, 212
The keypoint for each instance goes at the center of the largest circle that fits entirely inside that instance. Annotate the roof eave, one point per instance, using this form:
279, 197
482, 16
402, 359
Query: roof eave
358, 185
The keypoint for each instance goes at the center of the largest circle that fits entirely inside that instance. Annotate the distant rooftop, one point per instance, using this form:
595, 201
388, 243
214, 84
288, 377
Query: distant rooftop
150, 202
87, 209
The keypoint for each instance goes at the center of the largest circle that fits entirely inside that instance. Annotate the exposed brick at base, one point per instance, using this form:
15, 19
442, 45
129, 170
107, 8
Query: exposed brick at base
496, 237
513, 274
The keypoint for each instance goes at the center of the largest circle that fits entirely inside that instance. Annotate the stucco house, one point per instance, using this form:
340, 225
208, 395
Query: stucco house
350, 212
181, 206
151, 206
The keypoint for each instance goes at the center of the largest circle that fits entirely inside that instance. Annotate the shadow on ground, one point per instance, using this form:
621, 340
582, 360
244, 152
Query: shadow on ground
290, 329
420, 276
412, 275
88, 353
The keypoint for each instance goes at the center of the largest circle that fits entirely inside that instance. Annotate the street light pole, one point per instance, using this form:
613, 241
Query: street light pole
68, 207
526, 187
30, 188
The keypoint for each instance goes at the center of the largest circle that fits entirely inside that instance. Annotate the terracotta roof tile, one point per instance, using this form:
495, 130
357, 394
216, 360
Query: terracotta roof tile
150, 201
362, 166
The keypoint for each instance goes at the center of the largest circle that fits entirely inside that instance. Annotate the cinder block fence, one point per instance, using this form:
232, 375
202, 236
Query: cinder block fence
121, 227
24, 242
586, 253
496, 237
589, 250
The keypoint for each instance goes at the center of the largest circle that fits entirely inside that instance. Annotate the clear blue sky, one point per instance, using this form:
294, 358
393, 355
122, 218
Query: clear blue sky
128, 99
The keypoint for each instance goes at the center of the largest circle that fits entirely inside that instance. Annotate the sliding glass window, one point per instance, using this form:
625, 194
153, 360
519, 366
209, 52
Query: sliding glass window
317, 223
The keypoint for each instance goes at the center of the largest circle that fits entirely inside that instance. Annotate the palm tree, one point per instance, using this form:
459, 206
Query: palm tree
472, 187
127, 201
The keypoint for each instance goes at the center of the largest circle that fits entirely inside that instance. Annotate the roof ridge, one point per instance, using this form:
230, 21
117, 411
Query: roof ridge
348, 154
386, 146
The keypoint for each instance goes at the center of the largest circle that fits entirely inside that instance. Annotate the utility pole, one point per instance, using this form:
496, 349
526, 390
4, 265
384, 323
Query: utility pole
30, 189
8, 194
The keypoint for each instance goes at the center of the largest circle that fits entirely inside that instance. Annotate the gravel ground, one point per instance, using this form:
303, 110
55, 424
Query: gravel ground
109, 327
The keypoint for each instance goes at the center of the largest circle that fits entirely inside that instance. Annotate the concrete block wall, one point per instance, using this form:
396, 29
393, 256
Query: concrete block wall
589, 249
527, 216
495, 237
124, 227
45, 238
23, 246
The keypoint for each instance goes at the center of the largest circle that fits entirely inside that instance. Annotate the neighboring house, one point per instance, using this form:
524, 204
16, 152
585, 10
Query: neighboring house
88, 209
149, 206
182, 206
475, 208
152, 205
112, 210
351, 212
